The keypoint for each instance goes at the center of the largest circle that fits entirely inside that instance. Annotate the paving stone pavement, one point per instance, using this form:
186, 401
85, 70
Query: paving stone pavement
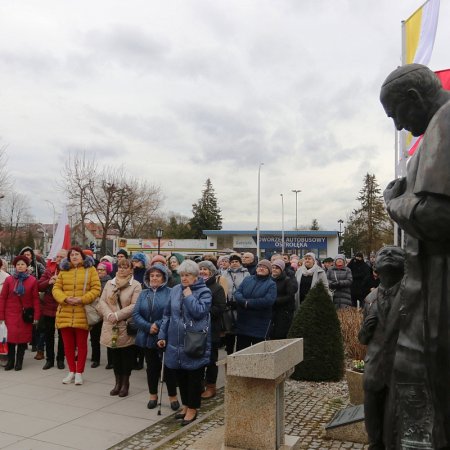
308, 408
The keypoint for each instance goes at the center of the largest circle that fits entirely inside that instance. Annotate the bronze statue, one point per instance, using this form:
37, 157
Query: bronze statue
380, 332
420, 203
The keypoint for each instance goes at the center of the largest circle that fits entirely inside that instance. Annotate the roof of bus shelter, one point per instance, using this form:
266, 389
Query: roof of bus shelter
312, 233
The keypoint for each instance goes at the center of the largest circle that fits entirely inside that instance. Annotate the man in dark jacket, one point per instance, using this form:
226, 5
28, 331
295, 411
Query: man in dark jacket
284, 306
249, 262
361, 275
380, 332
255, 297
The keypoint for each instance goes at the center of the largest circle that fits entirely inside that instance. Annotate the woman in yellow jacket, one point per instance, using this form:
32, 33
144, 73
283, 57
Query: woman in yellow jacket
77, 285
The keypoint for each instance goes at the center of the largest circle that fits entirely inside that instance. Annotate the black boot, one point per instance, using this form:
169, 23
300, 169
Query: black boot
125, 386
116, 389
11, 356
48, 364
19, 357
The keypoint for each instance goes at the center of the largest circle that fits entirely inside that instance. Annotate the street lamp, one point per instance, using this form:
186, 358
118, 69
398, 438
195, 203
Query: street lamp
340, 222
159, 233
282, 223
296, 191
259, 210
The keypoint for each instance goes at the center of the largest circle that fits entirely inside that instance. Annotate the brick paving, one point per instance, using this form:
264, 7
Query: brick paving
308, 407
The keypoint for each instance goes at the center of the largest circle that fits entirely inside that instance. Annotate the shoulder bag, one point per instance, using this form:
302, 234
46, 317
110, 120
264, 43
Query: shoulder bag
132, 328
195, 341
92, 316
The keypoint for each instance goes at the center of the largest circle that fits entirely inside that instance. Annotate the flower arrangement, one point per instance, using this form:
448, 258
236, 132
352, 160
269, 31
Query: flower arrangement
358, 365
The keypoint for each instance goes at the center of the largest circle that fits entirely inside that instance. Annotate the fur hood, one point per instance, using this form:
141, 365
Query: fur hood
65, 263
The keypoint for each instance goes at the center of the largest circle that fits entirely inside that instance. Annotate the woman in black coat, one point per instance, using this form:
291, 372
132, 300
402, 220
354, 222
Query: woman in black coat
284, 306
208, 272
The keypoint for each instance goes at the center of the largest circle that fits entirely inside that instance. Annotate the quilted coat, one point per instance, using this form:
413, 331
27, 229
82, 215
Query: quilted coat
19, 332
70, 283
182, 312
128, 298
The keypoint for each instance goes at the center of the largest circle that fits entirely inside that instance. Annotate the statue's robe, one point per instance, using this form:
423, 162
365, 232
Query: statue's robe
422, 361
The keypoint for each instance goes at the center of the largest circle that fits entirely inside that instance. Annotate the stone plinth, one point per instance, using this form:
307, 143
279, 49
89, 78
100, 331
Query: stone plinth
254, 394
355, 387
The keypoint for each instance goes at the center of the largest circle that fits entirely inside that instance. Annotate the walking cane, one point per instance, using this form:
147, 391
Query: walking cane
161, 381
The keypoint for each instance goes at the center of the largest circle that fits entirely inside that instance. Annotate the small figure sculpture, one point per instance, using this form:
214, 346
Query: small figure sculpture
379, 332
413, 97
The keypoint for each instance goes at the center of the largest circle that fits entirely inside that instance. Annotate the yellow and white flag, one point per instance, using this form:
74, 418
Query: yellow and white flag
420, 31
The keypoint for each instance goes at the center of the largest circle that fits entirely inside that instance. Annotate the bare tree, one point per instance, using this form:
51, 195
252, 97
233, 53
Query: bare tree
15, 214
5, 181
138, 209
79, 174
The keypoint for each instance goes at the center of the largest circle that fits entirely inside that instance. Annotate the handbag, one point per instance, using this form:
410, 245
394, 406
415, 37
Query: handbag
131, 327
3, 339
28, 314
195, 341
92, 315
228, 320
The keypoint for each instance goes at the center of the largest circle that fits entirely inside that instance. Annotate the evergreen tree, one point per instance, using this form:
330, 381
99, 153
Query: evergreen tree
206, 213
317, 323
314, 225
368, 227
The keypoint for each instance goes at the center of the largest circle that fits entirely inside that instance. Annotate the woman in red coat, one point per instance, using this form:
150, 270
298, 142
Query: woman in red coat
19, 291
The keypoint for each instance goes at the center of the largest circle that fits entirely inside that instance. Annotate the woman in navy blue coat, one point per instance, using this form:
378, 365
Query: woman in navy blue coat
188, 308
255, 297
148, 313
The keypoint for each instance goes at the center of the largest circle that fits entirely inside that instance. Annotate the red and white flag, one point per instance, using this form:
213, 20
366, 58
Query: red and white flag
61, 239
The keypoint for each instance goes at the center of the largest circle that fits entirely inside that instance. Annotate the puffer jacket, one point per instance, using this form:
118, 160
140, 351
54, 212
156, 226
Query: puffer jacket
284, 306
340, 281
191, 312
70, 283
255, 298
218, 306
150, 308
11, 306
234, 278
48, 303
128, 298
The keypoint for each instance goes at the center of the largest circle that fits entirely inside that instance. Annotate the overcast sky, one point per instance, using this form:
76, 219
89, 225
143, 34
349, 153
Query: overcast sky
179, 91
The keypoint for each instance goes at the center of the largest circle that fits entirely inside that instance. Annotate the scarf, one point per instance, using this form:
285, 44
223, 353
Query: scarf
308, 272
20, 277
121, 283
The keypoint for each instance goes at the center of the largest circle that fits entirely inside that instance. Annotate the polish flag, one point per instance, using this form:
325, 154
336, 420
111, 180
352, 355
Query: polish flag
61, 239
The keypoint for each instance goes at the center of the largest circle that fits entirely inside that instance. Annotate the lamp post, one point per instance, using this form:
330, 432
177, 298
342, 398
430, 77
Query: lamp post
282, 223
159, 233
296, 191
340, 222
259, 210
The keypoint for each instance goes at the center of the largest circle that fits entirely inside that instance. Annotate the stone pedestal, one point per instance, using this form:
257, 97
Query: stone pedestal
355, 386
254, 394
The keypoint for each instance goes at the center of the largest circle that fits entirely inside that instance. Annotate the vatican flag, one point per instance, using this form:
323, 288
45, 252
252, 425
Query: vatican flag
420, 31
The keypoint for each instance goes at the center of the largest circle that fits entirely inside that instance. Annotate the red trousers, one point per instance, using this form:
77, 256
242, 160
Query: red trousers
75, 339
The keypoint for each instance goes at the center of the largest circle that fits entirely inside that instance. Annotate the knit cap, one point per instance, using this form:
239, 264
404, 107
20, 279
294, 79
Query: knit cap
158, 259
279, 263
266, 263
140, 257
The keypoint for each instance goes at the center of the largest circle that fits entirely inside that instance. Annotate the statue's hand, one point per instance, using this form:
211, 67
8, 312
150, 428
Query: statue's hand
394, 189
370, 323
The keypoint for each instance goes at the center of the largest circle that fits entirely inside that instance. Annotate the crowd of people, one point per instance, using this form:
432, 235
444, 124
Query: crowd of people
171, 312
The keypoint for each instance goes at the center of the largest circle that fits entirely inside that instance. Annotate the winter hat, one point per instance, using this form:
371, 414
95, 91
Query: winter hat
158, 259
105, 265
313, 256
235, 258
88, 252
340, 256
209, 265
123, 252
140, 257
327, 260
21, 258
108, 258
279, 263
267, 264
178, 256
359, 255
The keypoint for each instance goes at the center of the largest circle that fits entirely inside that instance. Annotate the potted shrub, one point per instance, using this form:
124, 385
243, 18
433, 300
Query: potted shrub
355, 382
